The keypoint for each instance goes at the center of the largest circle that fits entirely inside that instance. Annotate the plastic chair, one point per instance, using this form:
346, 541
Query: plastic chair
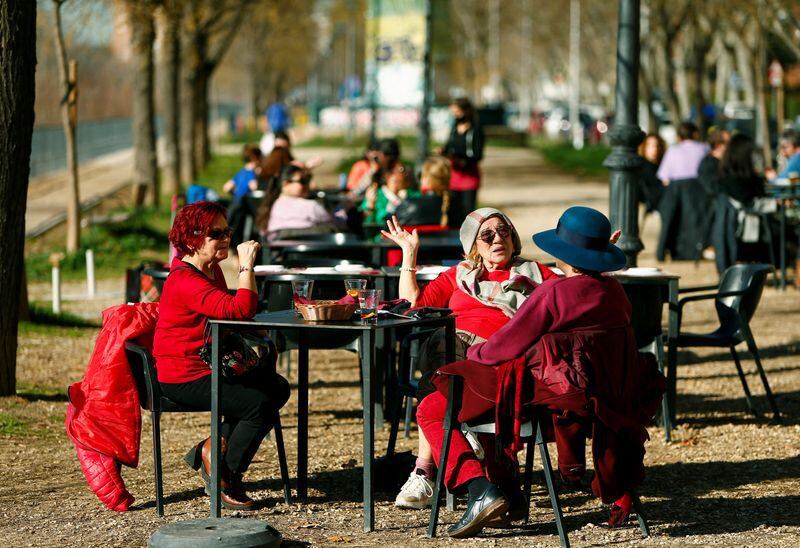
151, 399
735, 299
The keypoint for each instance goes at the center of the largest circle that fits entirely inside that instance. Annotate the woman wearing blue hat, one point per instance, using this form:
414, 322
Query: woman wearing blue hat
583, 299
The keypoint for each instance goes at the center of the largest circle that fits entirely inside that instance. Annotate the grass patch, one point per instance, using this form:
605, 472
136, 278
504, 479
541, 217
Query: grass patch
39, 393
43, 316
12, 426
244, 138
588, 161
116, 246
218, 171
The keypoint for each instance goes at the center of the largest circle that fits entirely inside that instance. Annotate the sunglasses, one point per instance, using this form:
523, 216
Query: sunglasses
219, 233
487, 236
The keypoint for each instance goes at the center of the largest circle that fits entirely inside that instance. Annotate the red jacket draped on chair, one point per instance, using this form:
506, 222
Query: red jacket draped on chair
103, 416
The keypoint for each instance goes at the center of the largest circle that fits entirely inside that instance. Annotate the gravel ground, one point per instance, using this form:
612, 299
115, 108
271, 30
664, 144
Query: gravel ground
727, 479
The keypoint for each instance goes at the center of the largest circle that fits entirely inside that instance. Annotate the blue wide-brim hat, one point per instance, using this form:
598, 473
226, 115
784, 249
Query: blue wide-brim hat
581, 240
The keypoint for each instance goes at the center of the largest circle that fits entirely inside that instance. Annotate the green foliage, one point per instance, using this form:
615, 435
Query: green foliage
588, 161
41, 316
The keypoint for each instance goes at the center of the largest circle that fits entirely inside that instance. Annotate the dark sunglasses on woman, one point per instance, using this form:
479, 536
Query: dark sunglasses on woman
487, 236
220, 233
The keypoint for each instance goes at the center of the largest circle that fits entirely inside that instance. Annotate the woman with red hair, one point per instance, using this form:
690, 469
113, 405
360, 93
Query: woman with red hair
194, 292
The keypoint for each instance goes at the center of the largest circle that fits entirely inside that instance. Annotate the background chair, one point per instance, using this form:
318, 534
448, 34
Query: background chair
151, 399
735, 299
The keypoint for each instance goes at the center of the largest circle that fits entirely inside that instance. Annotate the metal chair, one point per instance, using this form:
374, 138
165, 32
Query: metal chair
735, 299
405, 385
531, 433
151, 399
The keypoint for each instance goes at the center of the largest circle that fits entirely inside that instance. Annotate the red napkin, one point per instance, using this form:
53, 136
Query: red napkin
302, 300
387, 305
347, 299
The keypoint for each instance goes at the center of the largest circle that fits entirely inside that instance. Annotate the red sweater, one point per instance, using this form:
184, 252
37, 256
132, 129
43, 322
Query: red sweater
562, 305
188, 299
471, 314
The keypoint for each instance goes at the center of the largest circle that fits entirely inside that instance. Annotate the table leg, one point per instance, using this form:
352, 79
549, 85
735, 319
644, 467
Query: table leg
783, 246
302, 417
672, 357
215, 397
450, 340
367, 349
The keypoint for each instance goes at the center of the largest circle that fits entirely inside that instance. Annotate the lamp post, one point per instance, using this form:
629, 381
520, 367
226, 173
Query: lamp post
423, 142
623, 163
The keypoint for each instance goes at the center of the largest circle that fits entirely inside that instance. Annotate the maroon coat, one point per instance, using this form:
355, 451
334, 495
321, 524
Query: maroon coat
570, 347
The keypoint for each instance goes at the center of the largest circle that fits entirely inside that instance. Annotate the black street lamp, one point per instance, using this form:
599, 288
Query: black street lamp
624, 164
423, 142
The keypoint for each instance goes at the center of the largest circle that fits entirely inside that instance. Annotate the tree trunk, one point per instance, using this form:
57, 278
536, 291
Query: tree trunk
744, 69
69, 104
759, 69
188, 70
144, 136
170, 91
17, 91
202, 146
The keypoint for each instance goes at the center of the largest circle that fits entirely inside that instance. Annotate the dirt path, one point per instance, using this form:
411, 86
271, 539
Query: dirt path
727, 479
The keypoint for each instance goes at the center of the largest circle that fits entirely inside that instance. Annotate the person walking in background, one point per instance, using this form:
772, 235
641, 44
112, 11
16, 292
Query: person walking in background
682, 160
708, 170
464, 148
650, 187
279, 121
241, 185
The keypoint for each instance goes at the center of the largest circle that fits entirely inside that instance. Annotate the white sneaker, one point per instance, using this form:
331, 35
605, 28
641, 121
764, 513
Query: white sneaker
415, 493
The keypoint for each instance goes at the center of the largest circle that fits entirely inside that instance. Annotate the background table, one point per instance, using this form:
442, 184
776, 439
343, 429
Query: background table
287, 320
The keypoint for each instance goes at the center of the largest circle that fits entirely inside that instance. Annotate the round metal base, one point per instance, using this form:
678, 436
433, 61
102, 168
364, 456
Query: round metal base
203, 533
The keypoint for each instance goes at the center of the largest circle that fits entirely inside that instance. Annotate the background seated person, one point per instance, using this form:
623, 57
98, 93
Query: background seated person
433, 205
386, 160
195, 291
365, 166
484, 291
241, 185
382, 200
281, 156
582, 300
291, 209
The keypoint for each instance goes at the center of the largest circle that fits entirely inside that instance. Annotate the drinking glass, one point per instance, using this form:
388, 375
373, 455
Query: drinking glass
368, 300
301, 288
352, 286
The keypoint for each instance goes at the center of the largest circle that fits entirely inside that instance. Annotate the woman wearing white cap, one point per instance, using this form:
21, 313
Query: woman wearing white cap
484, 291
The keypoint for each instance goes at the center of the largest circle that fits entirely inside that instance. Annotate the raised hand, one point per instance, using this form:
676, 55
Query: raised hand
615, 237
408, 241
247, 253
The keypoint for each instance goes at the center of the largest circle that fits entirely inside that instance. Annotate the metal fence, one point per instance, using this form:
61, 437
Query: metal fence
94, 138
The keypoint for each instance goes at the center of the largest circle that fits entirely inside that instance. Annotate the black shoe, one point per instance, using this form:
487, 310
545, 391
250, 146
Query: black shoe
482, 509
517, 509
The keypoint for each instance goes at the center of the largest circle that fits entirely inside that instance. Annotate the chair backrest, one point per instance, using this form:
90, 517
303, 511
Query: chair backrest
144, 371
749, 278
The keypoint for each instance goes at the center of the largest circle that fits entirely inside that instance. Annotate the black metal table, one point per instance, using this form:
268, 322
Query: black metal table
287, 320
375, 252
662, 282
786, 195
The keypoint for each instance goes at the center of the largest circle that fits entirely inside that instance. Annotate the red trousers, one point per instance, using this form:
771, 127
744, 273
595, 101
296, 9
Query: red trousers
462, 464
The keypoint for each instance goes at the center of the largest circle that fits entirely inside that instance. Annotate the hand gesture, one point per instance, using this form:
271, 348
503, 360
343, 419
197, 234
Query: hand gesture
247, 253
615, 237
408, 241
